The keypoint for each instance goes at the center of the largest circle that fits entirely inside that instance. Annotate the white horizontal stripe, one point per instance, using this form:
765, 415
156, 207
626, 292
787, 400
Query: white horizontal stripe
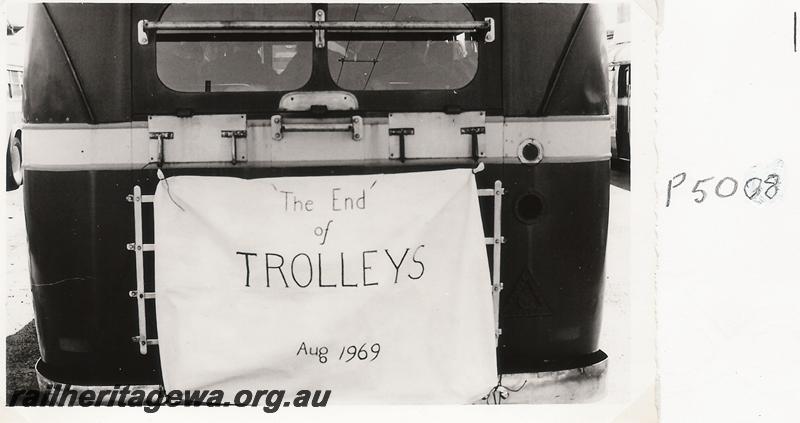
127, 145
561, 140
113, 125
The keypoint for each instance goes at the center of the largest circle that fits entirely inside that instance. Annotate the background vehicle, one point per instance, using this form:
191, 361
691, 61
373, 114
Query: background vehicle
109, 100
15, 43
619, 73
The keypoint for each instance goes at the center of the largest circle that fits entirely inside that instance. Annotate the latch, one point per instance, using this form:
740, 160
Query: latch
400, 132
278, 126
473, 133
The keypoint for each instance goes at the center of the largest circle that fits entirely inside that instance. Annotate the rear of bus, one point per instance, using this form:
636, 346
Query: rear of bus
111, 95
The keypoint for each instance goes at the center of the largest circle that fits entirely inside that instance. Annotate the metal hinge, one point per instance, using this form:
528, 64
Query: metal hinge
233, 135
160, 136
225, 133
401, 132
473, 133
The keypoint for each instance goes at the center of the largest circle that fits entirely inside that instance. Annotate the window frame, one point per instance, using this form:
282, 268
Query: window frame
474, 74
309, 11
151, 97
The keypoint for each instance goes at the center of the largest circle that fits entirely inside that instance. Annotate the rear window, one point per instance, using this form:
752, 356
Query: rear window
214, 66
402, 65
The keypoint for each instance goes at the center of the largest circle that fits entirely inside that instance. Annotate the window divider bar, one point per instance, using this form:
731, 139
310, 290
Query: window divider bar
485, 27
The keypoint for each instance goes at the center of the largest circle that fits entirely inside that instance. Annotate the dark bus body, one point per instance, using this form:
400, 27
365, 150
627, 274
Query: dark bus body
93, 91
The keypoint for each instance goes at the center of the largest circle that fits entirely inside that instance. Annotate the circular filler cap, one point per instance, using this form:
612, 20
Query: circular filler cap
530, 151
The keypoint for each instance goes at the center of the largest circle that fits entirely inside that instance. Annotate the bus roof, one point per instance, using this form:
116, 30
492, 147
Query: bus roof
547, 59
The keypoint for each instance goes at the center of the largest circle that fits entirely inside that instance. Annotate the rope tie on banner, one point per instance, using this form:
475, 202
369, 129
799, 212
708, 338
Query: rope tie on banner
500, 392
161, 177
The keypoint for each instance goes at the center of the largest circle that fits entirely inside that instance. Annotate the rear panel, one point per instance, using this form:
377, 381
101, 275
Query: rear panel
90, 143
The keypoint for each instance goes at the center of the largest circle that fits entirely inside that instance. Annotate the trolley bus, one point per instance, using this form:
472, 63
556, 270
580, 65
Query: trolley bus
115, 92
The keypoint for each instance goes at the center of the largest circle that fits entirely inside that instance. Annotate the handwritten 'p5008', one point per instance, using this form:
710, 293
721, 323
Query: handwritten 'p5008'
757, 189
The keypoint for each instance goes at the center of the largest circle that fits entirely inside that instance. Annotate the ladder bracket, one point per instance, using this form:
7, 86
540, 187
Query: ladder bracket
161, 135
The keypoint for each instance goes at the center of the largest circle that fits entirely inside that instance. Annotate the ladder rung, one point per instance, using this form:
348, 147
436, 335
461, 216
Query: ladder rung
131, 246
488, 192
137, 339
145, 295
145, 198
492, 241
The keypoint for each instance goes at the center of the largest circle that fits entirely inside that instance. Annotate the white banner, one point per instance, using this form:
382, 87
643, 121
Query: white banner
376, 287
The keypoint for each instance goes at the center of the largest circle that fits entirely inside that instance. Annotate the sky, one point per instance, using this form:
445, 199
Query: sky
16, 12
